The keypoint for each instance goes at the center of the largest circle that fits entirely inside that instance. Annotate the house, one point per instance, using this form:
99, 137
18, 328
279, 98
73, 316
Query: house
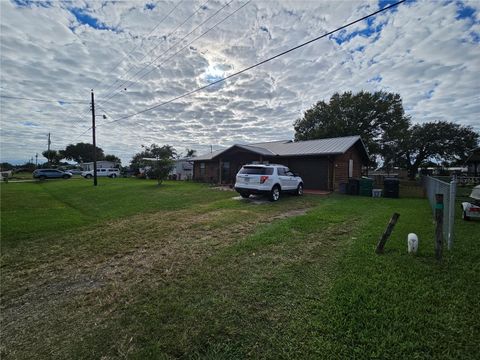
323, 164
473, 163
102, 164
183, 169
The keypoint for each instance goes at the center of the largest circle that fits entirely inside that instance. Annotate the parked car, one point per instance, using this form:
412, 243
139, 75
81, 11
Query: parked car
471, 209
111, 173
50, 174
271, 180
74, 171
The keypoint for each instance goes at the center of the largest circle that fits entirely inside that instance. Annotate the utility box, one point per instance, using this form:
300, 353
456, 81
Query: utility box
391, 187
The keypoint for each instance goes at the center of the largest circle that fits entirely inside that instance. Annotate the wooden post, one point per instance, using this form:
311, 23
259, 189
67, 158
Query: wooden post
386, 234
438, 226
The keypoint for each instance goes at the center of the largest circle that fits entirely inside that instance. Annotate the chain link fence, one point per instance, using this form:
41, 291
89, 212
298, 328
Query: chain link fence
435, 186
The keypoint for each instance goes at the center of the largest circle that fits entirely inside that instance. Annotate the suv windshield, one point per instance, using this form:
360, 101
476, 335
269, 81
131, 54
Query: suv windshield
256, 170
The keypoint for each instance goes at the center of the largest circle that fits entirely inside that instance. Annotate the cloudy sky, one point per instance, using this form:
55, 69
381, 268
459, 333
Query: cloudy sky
137, 54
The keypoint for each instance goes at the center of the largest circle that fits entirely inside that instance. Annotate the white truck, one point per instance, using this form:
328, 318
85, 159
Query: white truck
111, 173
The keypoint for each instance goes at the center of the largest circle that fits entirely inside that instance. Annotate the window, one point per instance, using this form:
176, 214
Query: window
256, 170
281, 172
202, 169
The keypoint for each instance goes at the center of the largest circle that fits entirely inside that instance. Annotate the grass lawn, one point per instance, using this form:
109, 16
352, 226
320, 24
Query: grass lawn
132, 270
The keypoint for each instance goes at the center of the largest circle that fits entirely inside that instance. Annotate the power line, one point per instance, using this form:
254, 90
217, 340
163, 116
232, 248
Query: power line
140, 44
258, 64
198, 37
73, 101
205, 21
173, 31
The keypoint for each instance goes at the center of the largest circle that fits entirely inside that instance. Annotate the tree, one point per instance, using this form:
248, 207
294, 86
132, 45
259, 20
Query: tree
442, 142
191, 153
82, 152
161, 160
53, 156
5, 166
377, 117
113, 159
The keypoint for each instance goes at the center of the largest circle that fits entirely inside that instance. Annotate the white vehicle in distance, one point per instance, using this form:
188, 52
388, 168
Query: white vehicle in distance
111, 173
471, 209
271, 180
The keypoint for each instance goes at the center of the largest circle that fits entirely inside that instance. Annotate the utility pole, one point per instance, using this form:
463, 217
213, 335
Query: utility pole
36, 160
94, 143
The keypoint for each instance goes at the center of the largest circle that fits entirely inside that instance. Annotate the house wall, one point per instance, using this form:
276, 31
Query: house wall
341, 166
211, 171
318, 172
183, 170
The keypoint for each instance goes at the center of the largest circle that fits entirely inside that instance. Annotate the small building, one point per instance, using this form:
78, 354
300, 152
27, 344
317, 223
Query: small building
323, 163
183, 169
473, 163
101, 164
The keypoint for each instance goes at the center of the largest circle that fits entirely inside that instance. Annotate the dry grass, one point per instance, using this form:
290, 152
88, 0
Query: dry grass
90, 282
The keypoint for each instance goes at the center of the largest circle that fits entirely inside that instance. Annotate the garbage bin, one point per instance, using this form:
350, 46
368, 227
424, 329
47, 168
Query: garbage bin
342, 188
391, 187
366, 186
353, 186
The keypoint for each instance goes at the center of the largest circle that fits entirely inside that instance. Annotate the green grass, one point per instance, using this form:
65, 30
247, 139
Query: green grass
34, 210
184, 271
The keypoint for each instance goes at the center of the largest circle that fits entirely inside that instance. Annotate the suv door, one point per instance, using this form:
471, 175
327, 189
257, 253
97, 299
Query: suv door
292, 180
284, 179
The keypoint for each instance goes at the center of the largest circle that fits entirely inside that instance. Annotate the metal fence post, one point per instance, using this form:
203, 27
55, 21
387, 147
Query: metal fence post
451, 212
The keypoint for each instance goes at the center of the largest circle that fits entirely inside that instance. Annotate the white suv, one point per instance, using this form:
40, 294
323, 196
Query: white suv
270, 180
112, 173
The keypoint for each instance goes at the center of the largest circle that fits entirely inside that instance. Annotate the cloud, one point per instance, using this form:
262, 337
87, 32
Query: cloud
425, 51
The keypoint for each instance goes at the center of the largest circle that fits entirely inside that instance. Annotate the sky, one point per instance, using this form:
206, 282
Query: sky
138, 54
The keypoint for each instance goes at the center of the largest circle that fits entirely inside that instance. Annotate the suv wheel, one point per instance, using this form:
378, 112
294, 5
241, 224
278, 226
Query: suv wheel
66, 176
275, 193
113, 176
88, 176
299, 191
245, 195
465, 216
42, 177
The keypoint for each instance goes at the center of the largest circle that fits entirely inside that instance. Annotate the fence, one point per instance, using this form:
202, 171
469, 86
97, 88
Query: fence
435, 186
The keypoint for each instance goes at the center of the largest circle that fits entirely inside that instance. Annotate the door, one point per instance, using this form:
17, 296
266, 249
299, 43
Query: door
284, 178
314, 172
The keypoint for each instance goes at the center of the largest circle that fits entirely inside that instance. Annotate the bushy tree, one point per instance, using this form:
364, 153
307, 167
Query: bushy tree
377, 117
159, 159
443, 142
53, 156
113, 159
82, 152
5, 166
191, 153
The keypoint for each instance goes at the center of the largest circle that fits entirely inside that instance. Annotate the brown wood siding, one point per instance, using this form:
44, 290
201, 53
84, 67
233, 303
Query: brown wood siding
340, 167
211, 171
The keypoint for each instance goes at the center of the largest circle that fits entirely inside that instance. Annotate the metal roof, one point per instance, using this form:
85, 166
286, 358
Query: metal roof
331, 146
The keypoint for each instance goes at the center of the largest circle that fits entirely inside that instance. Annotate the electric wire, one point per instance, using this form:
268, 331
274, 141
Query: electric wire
140, 44
169, 34
72, 101
198, 37
257, 64
178, 42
